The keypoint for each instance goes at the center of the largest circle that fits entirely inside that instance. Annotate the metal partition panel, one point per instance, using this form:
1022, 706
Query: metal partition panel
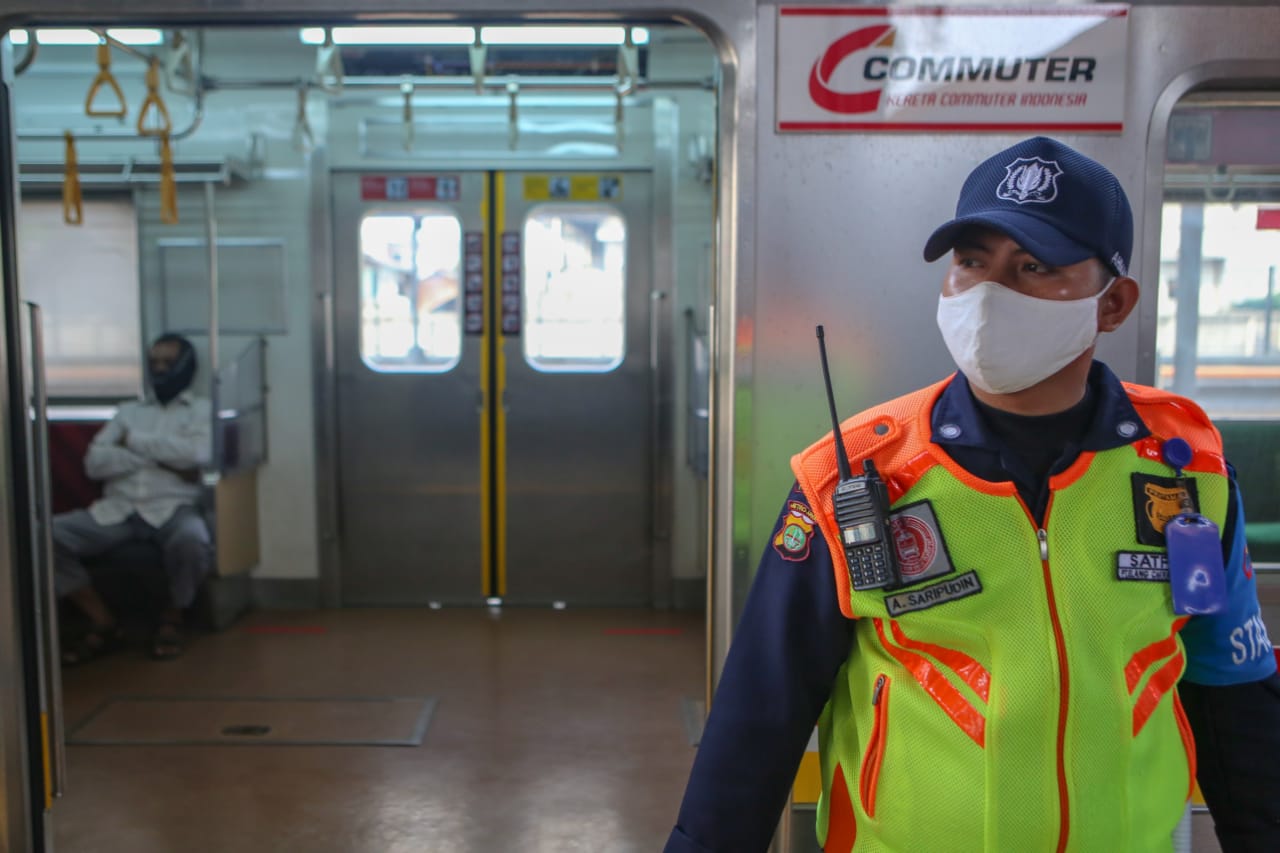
23, 820
409, 444
578, 480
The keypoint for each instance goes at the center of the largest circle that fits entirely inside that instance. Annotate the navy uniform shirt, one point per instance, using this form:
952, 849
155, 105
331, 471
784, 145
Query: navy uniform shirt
793, 639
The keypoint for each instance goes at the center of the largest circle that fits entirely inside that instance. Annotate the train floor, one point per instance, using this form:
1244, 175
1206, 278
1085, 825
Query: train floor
550, 731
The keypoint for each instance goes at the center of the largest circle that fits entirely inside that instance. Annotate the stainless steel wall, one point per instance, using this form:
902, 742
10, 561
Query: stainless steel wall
841, 220
827, 228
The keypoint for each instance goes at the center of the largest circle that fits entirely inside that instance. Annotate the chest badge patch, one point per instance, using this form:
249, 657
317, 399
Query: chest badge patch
792, 540
922, 552
1156, 500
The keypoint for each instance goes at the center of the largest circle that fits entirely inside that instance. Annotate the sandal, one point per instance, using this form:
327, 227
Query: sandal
94, 643
166, 642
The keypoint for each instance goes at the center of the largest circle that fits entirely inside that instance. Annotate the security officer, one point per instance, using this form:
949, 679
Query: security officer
1039, 670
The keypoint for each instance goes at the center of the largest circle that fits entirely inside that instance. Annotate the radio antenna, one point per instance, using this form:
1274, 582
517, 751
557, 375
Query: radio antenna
842, 457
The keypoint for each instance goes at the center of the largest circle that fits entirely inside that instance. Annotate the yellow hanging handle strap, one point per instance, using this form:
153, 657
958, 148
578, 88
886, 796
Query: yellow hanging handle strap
154, 101
168, 184
72, 200
104, 76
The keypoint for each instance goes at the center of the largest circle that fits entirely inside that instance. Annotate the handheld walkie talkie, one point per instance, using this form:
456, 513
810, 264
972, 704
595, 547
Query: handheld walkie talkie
862, 510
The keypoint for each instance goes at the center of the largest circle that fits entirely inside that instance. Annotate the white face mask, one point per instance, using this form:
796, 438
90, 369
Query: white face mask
1004, 341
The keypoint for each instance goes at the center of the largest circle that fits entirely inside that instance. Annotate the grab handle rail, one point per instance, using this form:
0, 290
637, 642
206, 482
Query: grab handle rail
105, 77
50, 676
72, 197
156, 102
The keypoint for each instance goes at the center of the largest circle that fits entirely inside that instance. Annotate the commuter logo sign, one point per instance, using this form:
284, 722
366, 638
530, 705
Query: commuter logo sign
932, 68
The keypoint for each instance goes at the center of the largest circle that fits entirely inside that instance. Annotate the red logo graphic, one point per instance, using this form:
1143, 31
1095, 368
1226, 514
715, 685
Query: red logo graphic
916, 545
880, 35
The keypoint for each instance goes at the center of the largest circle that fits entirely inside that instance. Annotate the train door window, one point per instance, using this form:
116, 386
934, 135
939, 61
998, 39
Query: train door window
575, 267
1218, 326
86, 280
410, 270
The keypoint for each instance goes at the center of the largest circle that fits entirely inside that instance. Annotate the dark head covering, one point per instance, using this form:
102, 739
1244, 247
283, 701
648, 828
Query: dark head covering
170, 383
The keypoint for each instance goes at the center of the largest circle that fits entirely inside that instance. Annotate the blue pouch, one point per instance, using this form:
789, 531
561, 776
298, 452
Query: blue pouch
1196, 574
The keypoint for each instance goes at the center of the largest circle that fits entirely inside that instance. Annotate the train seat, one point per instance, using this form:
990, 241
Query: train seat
1254, 449
130, 577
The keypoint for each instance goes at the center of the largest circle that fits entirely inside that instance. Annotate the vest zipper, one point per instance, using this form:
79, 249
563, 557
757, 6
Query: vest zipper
1060, 643
870, 775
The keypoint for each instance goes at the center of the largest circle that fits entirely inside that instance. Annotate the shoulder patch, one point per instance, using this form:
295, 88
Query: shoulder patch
796, 531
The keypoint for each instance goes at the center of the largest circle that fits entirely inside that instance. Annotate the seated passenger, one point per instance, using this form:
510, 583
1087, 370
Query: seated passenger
149, 456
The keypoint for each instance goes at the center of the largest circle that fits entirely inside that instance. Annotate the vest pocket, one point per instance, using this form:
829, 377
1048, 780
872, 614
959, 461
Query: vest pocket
874, 756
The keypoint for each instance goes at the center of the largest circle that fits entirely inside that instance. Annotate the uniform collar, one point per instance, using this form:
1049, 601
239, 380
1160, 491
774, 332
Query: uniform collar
956, 420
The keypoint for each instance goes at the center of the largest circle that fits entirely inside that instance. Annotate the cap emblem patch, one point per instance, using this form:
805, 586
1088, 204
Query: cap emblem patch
1030, 180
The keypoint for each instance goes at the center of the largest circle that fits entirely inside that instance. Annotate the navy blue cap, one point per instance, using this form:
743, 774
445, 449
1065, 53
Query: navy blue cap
1058, 204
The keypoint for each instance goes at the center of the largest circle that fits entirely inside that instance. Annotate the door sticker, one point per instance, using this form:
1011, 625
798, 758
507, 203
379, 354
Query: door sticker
511, 282
409, 187
589, 187
473, 285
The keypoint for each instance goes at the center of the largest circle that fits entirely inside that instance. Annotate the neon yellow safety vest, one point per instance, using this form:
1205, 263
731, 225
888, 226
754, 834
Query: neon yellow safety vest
1023, 700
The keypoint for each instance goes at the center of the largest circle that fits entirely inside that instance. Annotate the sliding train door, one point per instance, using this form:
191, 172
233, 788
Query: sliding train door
410, 262
493, 384
575, 356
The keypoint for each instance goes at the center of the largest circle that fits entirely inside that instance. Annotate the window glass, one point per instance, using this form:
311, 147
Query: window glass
575, 272
85, 279
1226, 355
410, 269
1218, 333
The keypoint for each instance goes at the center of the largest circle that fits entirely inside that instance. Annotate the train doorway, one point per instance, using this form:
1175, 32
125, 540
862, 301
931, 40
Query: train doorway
494, 386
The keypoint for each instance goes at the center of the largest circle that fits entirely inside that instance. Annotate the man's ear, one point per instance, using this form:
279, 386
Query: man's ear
1117, 303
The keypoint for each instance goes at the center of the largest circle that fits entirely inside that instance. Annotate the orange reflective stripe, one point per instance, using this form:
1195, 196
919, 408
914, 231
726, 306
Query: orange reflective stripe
1159, 650
950, 700
1064, 685
842, 826
908, 475
1168, 415
1074, 472
970, 671
1161, 683
1188, 741
1202, 462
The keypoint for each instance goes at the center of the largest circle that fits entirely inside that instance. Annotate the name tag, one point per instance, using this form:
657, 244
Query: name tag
1142, 566
932, 595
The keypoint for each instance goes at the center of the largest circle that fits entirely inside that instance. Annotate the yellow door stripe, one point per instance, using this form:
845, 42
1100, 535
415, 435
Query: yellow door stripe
500, 443
46, 760
486, 395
